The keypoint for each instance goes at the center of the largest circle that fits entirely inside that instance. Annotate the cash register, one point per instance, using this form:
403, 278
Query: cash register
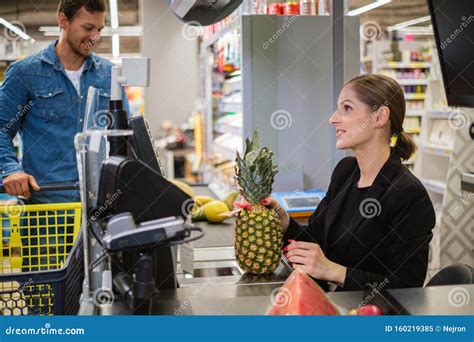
137, 216
138, 229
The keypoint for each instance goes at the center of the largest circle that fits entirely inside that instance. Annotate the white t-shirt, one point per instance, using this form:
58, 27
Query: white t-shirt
75, 77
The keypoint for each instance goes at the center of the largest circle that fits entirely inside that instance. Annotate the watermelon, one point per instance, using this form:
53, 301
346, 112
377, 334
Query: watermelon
301, 295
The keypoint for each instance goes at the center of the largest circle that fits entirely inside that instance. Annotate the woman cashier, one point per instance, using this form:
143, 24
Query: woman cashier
374, 225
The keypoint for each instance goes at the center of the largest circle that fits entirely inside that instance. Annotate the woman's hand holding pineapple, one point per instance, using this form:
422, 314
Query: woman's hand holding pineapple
306, 255
272, 203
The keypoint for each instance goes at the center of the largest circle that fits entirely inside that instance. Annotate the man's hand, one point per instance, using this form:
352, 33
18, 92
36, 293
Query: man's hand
272, 203
18, 184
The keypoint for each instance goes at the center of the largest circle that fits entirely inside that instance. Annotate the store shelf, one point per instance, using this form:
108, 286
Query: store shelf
232, 85
411, 65
432, 149
441, 114
8, 59
230, 107
412, 81
414, 112
226, 152
413, 130
415, 96
435, 186
230, 129
232, 25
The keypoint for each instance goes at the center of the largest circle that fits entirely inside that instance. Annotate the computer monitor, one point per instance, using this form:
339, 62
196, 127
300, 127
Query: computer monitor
143, 144
453, 26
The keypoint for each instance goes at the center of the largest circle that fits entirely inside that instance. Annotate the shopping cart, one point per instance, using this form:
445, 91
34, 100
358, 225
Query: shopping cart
41, 259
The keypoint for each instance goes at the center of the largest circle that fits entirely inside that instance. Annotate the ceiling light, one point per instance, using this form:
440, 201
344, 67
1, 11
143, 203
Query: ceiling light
368, 7
409, 23
115, 45
124, 31
19, 32
114, 21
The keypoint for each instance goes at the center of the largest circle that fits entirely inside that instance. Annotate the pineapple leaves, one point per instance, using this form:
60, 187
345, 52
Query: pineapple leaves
255, 171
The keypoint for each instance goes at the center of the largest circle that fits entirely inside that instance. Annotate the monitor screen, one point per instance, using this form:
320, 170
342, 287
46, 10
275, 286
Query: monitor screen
453, 26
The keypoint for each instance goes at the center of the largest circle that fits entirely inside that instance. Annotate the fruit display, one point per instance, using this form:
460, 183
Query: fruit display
209, 209
300, 295
258, 236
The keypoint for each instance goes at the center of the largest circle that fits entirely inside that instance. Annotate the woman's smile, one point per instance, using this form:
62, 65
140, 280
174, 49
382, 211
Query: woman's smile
339, 132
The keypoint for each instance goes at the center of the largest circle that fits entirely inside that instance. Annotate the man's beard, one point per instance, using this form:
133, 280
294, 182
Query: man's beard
78, 51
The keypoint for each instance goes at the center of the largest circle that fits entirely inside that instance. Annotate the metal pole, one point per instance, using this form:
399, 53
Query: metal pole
337, 24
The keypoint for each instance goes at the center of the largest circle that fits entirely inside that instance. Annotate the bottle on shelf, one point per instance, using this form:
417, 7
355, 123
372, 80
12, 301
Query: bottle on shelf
308, 7
291, 8
258, 7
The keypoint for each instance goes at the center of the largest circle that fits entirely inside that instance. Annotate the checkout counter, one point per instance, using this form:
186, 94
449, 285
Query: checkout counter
219, 287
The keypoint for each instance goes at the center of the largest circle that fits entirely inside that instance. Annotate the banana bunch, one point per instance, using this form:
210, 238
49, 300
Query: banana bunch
209, 209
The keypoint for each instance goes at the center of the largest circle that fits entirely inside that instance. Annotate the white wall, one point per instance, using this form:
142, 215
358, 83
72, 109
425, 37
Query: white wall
174, 66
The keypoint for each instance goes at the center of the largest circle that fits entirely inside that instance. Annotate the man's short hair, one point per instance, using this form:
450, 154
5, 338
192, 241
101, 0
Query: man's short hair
71, 7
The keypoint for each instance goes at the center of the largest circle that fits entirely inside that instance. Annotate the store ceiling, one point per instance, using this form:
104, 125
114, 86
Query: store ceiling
35, 13
394, 12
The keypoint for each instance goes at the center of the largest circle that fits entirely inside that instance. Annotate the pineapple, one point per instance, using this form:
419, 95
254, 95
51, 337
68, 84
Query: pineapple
258, 237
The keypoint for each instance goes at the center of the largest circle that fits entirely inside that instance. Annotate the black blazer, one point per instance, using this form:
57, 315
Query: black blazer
391, 247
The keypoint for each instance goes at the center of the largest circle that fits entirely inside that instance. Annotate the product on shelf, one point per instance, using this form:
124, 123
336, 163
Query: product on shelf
308, 7
276, 9
291, 8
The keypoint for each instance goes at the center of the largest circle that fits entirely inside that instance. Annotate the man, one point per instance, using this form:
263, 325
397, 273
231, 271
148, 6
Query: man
43, 97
